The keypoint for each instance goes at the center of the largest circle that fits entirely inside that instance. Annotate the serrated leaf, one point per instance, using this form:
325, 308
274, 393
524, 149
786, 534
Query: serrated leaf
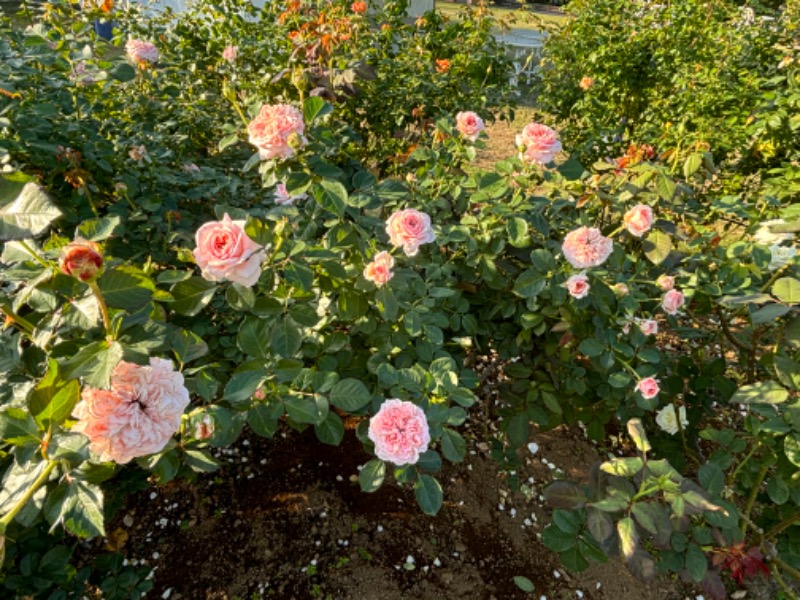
228, 140
126, 287
331, 430
517, 229
94, 363
711, 478
286, 337
429, 494
778, 491
530, 283
763, 392
254, 338
350, 395
192, 295
315, 107
53, 398
17, 427
791, 447
332, 196
26, 211
696, 562
657, 246
628, 538
371, 476
97, 230
454, 447
665, 187
261, 420
306, 409
623, 467
201, 461
692, 164
787, 289
565, 494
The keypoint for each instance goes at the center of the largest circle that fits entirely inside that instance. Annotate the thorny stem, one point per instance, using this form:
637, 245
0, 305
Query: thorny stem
751, 499
103, 309
40, 480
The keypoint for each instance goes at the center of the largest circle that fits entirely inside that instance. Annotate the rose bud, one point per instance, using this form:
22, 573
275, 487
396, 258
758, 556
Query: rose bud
81, 259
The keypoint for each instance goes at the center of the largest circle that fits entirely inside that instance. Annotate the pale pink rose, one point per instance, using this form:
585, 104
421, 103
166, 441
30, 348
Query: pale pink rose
283, 198
276, 129
225, 252
410, 229
137, 416
379, 271
672, 301
647, 326
399, 431
639, 219
469, 125
578, 286
665, 282
648, 387
138, 153
538, 144
140, 51
230, 53
586, 247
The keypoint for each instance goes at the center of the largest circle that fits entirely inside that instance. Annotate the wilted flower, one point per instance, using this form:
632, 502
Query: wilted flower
648, 387
578, 286
230, 53
672, 301
538, 144
277, 131
638, 220
139, 413
283, 198
399, 431
379, 271
409, 229
225, 252
586, 247
141, 52
781, 256
586, 83
469, 125
667, 418
81, 259
665, 282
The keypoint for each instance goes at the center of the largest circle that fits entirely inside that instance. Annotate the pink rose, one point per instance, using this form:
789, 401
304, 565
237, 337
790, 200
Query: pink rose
141, 52
230, 53
578, 286
672, 301
410, 229
647, 326
283, 198
586, 247
137, 415
399, 431
665, 282
648, 387
639, 219
275, 131
379, 271
538, 143
225, 252
469, 125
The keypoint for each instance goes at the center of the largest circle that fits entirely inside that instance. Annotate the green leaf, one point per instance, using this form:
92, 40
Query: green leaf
187, 345
657, 246
646, 515
314, 107
665, 187
123, 72
286, 337
192, 295
254, 338
94, 363
628, 539
350, 395
523, 583
454, 447
387, 303
565, 495
571, 169
244, 382
305, 409
692, 164
763, 392
556, 539
592, 347
201, 461
17, 427
517, 229
429, 494
791, 447
574, 560
430, 460
788, 371
696, 562
228, 140
530, 283
711, 478
126, 287
97, 230
638, 435
26, 210
17, 480
331, 430
623, 467
769, 313
332, 196
778, 491
53, 398
371, 476
261, 420
787, 289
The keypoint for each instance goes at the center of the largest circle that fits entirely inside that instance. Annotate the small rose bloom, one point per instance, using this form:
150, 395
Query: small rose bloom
665, 282
81, 259
620, 289
283, 198
667, 418
586, 83
230, 53
225, 252
639, 220
781, 256
538, 144
578, 286
648, 388
141, 52
647, 326
138, 415
399, 431
469, 125
409, 229
442, 65
259, 394
138, 153
672, 301
586, 247
379, 271
359, 7
277, 131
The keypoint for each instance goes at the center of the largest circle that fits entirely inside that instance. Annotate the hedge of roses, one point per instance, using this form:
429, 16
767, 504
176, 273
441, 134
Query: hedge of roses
219, 227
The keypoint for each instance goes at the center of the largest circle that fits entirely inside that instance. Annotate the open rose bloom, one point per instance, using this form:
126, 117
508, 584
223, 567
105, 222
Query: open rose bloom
672, 302
538, 144
409, 229
141, 52
379, 271
225, 252
578, 286
469, 125
399, 431
638, 220
667, 418
586, 247
137, 416
274, 130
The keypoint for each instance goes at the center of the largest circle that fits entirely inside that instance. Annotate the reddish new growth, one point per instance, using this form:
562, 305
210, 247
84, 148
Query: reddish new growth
741, 564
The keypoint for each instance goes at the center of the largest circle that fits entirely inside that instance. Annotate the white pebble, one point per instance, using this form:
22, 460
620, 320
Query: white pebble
167, 593
579, 593
410, 559
527, 522
533, 447
314, 563
156, 555
556, 574
513, 512
379, 528
437, 562
153, 496
339, 478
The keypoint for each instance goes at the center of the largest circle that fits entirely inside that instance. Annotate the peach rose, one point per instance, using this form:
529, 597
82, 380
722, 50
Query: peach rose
410, 229
141, 52
81, 259
538, 144
275, 130
578, 286
672, 301
469, 125
648, 387
399, 431
225, 252
586, 83
665, 282
586, 247
379, 271
639, 219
